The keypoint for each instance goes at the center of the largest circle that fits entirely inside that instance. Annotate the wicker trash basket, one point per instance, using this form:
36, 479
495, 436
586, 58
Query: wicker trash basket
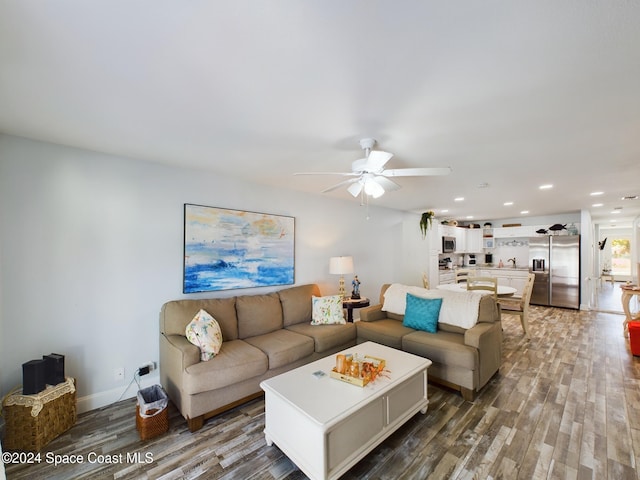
152, 412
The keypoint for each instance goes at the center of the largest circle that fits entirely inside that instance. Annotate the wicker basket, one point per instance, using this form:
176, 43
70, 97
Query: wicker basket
27, 432
152, 412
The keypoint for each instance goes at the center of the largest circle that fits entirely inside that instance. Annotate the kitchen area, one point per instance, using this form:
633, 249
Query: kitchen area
510, 253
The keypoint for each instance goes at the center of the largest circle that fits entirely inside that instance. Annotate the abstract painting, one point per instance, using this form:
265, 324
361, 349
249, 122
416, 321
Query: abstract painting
228, 249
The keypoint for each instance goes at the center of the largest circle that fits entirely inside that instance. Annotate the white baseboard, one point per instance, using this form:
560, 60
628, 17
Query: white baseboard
102, 399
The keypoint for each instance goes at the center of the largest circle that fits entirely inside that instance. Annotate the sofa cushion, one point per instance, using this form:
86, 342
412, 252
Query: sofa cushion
282, 347
387, 332
258, 314
327, 310
176, 315
204, 332
422, 313
326, 337
443, 347
296, 303
236, 361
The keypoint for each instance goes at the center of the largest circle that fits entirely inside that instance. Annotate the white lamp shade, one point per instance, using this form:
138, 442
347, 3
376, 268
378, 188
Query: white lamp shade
340, 265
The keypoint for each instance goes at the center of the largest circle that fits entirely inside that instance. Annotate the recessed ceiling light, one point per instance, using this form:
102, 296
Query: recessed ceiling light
616, 211
524, 212
507, 204
595, 194
469, 217
444, 210
458, 199
545, 187
597, 204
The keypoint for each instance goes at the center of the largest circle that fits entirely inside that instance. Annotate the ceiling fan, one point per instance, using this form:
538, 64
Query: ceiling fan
369, 175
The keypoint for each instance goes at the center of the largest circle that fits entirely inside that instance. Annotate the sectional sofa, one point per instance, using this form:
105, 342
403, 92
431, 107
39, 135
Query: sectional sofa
263, 336
463, 358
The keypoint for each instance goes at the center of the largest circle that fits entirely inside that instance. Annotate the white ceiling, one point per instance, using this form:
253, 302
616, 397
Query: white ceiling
514, 94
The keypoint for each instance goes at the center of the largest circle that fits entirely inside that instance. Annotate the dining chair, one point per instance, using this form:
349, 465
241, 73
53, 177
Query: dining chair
425, 280
483, 283
520, 306
463, 273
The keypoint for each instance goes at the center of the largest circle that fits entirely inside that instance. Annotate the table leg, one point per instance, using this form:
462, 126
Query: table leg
626, 299
349, 314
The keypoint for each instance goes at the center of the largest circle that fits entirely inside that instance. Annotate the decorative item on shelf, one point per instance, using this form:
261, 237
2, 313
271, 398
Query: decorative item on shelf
556, 228
572, 229
341, 266
355, 294
426, 221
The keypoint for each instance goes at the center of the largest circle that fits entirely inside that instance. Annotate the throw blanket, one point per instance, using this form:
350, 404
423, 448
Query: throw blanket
459, 309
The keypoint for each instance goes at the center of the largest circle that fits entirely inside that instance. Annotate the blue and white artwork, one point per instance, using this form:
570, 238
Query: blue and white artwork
227, 249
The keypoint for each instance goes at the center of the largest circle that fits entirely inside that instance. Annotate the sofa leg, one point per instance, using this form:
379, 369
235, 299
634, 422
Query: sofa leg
195, 423
468, 394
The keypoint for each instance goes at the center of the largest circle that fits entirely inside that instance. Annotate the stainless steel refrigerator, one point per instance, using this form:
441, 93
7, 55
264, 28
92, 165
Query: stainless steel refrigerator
555, 261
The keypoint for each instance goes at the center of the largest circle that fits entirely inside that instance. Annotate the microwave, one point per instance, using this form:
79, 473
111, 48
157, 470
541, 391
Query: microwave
448, 244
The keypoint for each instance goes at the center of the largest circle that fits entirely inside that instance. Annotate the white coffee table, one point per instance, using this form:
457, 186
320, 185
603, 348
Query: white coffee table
325, 426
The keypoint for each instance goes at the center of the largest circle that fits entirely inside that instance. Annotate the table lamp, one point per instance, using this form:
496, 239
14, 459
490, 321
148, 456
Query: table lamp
340, 266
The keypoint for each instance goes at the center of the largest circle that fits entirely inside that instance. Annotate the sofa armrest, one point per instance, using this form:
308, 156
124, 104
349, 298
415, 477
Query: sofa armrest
474, 336
176, 354
487, 339
372, 313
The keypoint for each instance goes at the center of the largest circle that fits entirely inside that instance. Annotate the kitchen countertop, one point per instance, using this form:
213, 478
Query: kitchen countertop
486, 267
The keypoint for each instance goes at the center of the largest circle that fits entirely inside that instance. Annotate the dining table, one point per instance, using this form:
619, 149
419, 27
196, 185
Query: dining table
503, 290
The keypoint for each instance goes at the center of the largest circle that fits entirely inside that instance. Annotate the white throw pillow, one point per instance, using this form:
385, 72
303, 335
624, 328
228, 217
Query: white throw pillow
204, 332
327, 310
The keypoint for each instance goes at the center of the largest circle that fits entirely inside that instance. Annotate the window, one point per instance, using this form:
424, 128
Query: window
620, 249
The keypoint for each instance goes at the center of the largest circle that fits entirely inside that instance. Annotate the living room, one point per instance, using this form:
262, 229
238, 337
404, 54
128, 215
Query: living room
92, 243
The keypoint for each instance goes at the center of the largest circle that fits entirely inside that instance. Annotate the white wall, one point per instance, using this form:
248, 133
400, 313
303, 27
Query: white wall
91, 246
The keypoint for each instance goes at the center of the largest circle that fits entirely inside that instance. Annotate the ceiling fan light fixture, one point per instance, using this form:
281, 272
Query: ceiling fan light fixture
355, 189
373, 189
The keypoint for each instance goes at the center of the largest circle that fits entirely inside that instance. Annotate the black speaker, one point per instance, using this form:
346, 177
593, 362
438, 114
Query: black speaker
54, 368
33, 373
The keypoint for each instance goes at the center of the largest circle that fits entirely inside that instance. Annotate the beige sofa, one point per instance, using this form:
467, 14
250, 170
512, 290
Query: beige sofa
263, 336
464, 359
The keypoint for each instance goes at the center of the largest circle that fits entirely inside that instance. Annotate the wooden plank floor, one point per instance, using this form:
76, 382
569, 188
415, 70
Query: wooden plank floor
565, 404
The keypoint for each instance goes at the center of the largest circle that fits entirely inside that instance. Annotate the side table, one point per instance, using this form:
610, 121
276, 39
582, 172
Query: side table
32, 421
351, 303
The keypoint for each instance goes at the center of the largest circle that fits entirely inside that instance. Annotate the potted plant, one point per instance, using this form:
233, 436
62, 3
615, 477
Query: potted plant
426, 221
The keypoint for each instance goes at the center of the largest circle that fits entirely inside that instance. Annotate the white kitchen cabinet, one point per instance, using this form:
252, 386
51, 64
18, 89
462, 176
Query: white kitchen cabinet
512, 232
508, 277
473, 242
446, 276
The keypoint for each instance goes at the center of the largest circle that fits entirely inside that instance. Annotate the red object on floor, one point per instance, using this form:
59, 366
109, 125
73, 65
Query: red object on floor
634, 337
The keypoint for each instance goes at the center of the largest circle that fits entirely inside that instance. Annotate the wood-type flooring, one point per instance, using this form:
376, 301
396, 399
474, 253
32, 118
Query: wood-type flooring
565, 404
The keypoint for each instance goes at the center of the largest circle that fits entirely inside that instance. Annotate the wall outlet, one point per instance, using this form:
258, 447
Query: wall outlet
118, 374
146, 368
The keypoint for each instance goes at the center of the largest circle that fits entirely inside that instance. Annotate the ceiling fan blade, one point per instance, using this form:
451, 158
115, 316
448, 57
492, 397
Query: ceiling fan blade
385, 183
338, 185
345, 174
416, 172
376, 160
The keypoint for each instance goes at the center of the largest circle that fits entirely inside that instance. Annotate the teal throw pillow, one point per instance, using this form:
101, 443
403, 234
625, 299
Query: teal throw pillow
422, 313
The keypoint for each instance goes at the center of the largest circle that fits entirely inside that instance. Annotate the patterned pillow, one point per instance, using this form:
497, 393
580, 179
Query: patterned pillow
204, 332
422, 313
327, 310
